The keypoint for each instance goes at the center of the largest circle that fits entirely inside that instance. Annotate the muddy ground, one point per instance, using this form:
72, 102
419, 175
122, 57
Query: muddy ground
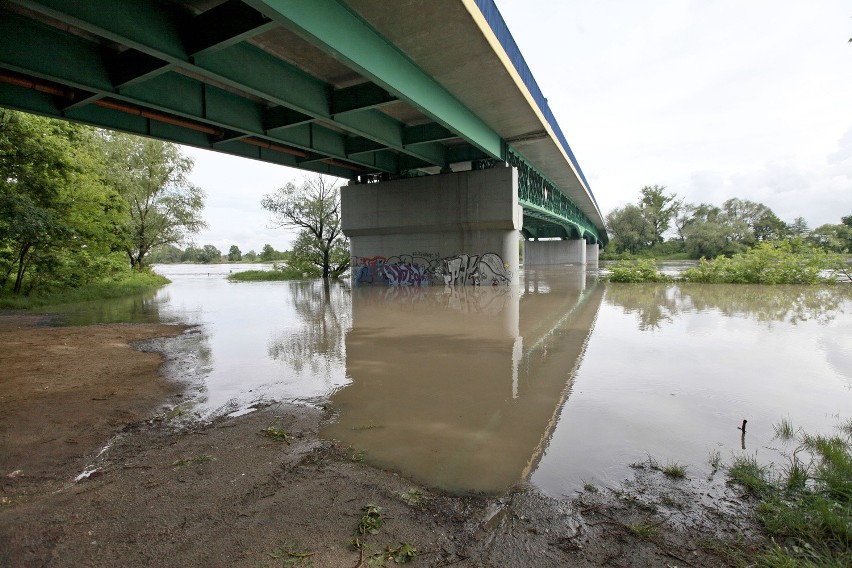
168, 491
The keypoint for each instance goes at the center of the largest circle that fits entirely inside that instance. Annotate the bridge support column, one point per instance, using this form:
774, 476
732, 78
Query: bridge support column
544, 253
592, 254
450, 229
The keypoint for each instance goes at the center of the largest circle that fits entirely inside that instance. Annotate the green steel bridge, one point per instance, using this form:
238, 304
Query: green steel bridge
360, 89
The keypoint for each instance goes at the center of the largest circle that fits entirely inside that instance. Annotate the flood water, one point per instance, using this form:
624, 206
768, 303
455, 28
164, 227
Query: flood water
561, 381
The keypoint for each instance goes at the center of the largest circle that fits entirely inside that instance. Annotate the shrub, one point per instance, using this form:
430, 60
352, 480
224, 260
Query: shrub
633, 271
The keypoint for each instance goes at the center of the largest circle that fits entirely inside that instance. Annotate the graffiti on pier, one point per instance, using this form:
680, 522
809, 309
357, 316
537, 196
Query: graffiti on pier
425, 269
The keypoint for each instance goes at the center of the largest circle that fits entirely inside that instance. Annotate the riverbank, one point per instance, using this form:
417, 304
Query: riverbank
263, 489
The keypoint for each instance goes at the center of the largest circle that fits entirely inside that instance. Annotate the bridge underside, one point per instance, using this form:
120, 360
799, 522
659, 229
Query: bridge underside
339, 88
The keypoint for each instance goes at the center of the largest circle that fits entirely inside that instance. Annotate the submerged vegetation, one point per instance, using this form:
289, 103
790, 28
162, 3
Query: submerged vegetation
771, 262
127, 285
806, 507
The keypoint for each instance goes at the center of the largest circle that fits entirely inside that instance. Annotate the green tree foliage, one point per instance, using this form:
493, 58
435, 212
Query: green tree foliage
313, 208
658, 209
772, 262
799, 227
165, 254
629, 230
268, 254
711, 232
209, 254
153, 178
834, 238
234, 254
250, 256
59, 220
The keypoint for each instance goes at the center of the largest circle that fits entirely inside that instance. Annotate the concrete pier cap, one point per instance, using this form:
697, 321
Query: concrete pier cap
459, 228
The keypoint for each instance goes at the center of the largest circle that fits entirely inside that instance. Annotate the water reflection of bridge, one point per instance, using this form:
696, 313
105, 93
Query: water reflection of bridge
462, 388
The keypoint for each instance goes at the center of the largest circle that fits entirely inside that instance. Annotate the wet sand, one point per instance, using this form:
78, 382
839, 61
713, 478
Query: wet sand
168, 491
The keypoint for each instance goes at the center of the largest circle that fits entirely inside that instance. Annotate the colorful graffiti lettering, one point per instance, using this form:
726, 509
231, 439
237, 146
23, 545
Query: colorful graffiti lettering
419, 270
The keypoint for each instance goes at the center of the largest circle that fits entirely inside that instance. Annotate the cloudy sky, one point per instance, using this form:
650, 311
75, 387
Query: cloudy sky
729, 98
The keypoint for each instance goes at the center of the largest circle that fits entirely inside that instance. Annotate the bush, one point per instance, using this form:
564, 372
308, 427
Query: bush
772, 262
634, 271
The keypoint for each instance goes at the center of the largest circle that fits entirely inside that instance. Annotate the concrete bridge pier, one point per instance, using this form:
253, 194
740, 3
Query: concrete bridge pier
451, 229
550, 253
592, 254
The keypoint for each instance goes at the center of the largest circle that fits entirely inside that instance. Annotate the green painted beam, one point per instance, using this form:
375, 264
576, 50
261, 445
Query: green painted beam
225, 25
337, 31
44, 104
283, 117
132, 66
432, 132
359, 97
171, 93
156, 28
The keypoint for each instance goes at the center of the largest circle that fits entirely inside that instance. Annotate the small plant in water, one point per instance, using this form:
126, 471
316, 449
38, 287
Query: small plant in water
275, 433
203, 458
675, 470
371, 520
715, 461
784, 429
590, 488
412, 497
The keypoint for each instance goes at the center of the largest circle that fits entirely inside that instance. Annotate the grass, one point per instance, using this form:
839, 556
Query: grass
636, 271
642, 530
134, 283
675, 470
671, 469
784, 429
715, 460
806, 508
198, 460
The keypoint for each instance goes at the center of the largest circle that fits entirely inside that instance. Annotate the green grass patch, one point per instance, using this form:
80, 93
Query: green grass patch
198, 460
133, 283
784, 429
643, 530
806, 508
278, 273
675, 470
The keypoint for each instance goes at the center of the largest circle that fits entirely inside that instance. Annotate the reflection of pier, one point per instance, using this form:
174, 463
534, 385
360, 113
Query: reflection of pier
462, 387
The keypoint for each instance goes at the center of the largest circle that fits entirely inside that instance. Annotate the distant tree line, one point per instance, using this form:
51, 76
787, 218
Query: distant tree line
80, 206
208, 254
662, 224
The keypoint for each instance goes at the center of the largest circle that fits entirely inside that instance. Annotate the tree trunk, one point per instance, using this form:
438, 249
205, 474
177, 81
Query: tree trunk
21, 267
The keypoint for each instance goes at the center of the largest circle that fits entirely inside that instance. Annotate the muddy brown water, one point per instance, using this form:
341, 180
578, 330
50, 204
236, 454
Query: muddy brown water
562, 381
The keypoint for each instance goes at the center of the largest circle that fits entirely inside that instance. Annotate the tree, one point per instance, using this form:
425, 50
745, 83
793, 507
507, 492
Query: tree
59, 221
209, 254
629, 229
251, 256
834, 238
712, 232
314, 208
799, 227
267, 253
153, 178
762, 223
658, 209
234, 254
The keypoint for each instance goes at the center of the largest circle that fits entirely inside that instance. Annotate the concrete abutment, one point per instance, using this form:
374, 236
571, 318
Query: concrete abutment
459, 228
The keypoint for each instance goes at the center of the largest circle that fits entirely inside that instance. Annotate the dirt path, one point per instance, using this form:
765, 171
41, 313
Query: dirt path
172, 493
